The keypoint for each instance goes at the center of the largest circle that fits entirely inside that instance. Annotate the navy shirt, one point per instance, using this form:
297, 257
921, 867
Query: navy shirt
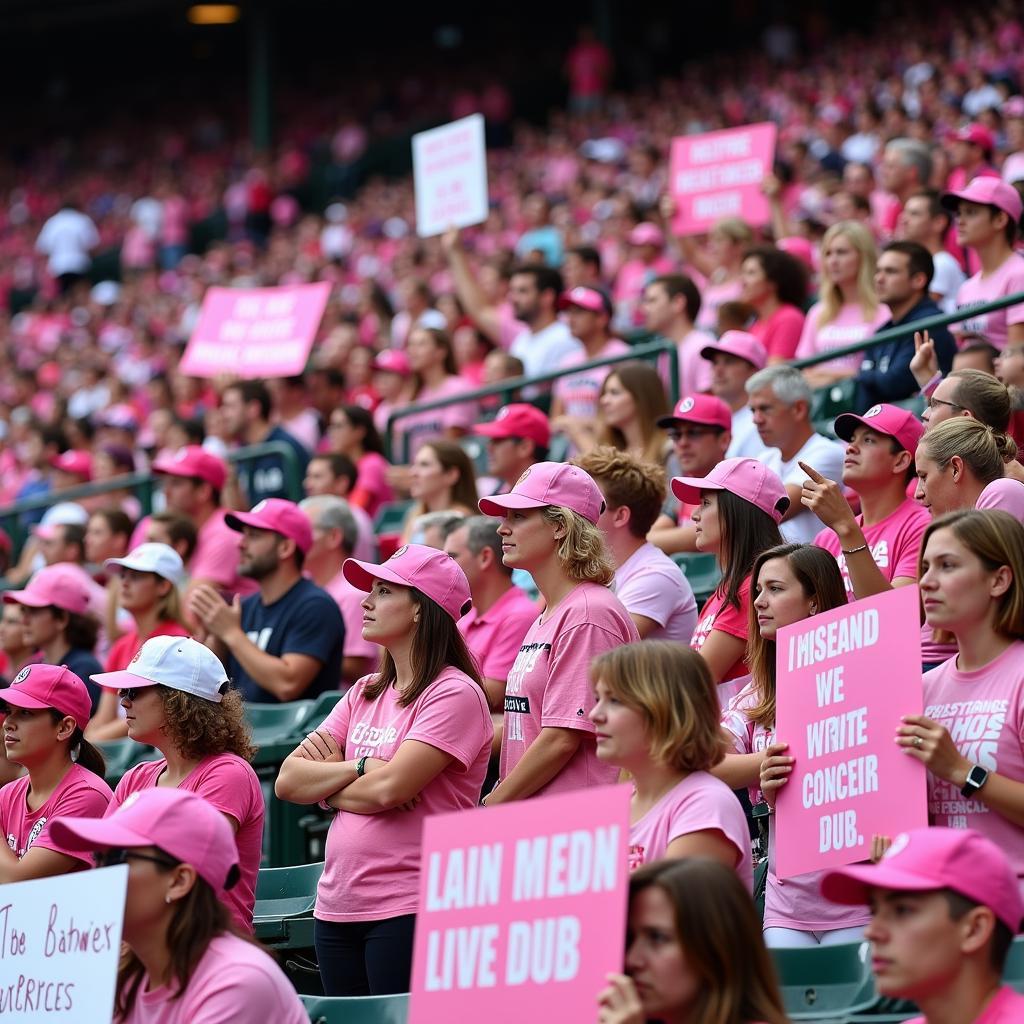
85, 665
305, 620
265, 477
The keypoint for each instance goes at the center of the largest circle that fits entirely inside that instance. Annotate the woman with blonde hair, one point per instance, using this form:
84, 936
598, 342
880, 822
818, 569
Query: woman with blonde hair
657, 716
441, 479
549, 528
848, 309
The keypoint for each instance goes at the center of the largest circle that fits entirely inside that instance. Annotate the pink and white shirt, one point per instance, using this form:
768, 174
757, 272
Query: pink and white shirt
578, 392
431, 424
1005, 280
847, 328
649, 583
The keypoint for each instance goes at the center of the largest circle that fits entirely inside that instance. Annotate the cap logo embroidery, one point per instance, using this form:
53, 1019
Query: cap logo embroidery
130, 799
899, 844
22, 675
686, 405
873, 411
502, 413
180, 455
398, 554
257, 509
138, 654
526, 473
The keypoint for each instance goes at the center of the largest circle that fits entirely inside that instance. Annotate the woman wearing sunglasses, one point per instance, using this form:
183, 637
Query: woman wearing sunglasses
47, 710
184, 962
176, 698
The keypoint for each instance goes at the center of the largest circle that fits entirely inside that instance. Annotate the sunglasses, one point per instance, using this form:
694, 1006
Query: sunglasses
691, 434
108, 858
133, 692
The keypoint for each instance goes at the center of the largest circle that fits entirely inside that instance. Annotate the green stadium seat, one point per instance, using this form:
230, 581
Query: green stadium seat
828, 402
285, 897
475, 447
915, 404
274, 723
1013, 972
120, 755
558, 450
390, 517
357, 1009
320, 708
701, 569
827, 983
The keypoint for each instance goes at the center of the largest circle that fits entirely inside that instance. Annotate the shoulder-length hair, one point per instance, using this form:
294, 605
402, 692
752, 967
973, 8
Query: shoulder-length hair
785, 272
436, 645
362, 419
720, 934
644, 384
582, 552
671, 687
830, 297
200, 728
451, 455
746, 532
443, 340
819, 577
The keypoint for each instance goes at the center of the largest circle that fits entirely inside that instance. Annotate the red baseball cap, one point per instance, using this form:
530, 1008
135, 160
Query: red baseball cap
976, 134
430, 571
392, 360
550, 483
899, 424
591, 299
60, 586
77, 462
987, 191
194, 461
704, 409
741, 344
50, 686
278, 515
748, 479
518, 420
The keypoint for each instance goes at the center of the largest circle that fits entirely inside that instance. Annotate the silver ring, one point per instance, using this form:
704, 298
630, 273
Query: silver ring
917, 741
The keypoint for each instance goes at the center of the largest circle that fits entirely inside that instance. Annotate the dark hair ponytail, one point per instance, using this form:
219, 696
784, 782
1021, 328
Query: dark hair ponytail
82, 751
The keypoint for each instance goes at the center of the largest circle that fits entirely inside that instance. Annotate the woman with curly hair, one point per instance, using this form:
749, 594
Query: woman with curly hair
176, 698
549, 528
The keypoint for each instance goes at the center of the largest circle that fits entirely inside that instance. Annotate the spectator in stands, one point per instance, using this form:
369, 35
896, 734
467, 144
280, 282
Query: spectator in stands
945, 907
656, 594
775, 284
392, 381
246, 409
17, 650
178, 698
67, 240
352, 432
175, 531
46, 710
541, 242
791, 584
335, 536
987, 215
739, 506
720, 264
293, 412
694, 950
545, 342
902, 279
184, 959
284, 642
417, 311
876, 550
581, 268
549, 527
441, 479
414, 736
847, 310
906, 169
61, 542
647, 261
735, 357
336, 474
926, 221
975, 353
106, 536
656, 714
780, 400
517, 437
671, 304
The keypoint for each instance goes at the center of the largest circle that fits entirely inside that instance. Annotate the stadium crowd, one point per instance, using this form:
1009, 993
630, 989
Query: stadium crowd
513, 625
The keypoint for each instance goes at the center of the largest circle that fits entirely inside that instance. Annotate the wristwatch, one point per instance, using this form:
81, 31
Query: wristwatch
976, 778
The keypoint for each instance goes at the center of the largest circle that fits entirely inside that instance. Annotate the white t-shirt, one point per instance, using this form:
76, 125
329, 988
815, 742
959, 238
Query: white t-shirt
746, 442
66, 238
821, 454
947, 279
544, 351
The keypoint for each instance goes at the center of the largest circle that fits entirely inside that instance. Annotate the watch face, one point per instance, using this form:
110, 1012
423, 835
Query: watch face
977, 775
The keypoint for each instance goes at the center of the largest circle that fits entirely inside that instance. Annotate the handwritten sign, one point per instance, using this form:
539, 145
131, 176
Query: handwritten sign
449, 166
845, 678
60, 942
522, 909
255, 332
719, 174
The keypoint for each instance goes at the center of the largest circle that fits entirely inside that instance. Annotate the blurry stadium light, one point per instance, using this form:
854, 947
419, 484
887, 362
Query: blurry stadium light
214, 14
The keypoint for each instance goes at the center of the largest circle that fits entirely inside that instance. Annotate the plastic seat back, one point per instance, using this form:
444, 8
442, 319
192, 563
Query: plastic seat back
357, 1009
825, 982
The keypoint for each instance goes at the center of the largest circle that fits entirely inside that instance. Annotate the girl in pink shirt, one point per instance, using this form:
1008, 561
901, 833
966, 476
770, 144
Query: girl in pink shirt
441, 479
406, 742
656, 715
352, 432
775, 284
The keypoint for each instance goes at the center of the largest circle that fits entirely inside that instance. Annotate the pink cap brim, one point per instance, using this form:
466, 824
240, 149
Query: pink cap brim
22, 699
23, 597
96, 834
122, 680
688, 488
362, 574
499, 504
852, 886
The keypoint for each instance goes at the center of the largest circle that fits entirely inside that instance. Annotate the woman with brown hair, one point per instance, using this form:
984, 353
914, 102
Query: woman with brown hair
694, 953
441, 479
177, 698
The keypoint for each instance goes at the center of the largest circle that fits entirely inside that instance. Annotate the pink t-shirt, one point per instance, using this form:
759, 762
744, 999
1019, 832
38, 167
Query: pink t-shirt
578, 392
780, 332
1006, 1007
432, 423
350, 602
697, 804
360, 883
372, 488
1006, 494
1006, 280
235, 982
847, 328
80, 794
694, 369
216, 555
649, 583
718, 614
984, 713
549, 683
495, 637
711, 297
228, 783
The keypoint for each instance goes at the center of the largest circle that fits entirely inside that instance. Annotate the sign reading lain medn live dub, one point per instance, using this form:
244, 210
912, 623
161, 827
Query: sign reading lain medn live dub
845, 678
522, 909
60, 942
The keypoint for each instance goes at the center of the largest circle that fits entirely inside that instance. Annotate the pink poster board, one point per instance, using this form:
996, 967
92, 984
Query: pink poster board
522, 909
719, 174
255, 332
845, 678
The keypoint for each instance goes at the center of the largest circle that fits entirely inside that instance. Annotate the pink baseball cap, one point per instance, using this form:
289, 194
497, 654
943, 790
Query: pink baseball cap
280, 516
748, 479
936, 858
899, 424
391, 360
77, 462
646, 234
987, 191
518, 420
50, 686
1013, 107
430, 571
550, 483
194, 461
704, 409
976, 134
741, 344
586, 298
60, 586
181, 823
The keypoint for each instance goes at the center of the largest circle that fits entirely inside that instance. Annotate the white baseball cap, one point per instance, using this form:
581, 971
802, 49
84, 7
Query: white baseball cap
178, 662
157, 558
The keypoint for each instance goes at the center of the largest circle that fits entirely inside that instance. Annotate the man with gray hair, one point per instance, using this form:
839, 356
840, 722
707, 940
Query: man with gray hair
906, 168
780, 401
335, 534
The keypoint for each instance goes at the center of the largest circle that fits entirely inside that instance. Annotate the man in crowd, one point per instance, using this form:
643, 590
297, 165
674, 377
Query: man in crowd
671, 304
906, 169
926, 221
545, 341
336, 474
735, 358
517, 437
286, 641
